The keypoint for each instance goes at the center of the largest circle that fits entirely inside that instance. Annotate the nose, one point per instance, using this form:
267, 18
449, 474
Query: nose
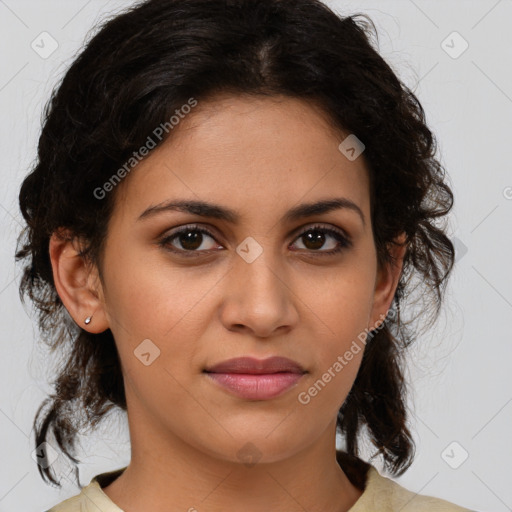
259, 297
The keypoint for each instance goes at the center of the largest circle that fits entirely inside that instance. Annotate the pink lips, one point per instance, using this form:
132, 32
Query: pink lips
255, 379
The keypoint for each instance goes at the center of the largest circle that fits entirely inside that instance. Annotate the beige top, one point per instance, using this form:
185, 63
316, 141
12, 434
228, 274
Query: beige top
380, 494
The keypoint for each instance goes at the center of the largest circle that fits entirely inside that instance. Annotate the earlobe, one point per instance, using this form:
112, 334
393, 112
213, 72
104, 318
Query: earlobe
386, 283
77, 283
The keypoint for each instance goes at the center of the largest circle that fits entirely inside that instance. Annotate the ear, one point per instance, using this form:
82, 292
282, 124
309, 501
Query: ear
77, 282
386, 282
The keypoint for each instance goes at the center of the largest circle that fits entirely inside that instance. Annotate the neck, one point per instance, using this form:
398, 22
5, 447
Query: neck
167, 474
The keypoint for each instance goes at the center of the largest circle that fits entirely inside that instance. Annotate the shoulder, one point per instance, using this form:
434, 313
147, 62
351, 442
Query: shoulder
91, 498
69, 505
386, 495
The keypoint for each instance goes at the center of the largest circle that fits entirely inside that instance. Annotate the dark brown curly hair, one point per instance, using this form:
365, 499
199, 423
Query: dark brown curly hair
131, 77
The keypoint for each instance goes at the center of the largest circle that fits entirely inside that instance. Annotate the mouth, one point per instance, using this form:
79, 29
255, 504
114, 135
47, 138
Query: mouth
251, 365
253, 379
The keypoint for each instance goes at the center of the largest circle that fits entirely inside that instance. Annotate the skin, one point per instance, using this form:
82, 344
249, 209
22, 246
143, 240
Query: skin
260, 157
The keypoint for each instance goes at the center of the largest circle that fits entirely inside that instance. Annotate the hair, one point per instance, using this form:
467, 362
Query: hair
130, 77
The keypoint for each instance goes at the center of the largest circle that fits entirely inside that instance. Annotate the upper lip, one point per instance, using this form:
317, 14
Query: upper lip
256, 366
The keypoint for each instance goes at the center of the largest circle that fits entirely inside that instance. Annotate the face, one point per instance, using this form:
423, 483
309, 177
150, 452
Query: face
259, 284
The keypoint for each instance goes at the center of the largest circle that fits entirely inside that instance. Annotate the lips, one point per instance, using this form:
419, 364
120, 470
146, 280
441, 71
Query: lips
250, 365
254, 379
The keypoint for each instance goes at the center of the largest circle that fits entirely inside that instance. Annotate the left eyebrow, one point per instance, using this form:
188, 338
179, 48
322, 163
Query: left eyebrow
216, 211
320, 207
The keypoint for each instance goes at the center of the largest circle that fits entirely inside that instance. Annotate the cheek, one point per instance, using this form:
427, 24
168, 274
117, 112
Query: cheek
338, 359
168, 306
154, 320
150, 297
342, 310
342, 302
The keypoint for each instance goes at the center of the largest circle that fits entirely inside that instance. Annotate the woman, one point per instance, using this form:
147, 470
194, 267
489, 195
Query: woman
231, 202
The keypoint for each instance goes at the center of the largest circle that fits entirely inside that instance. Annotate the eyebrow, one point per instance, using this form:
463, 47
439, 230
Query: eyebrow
205, 209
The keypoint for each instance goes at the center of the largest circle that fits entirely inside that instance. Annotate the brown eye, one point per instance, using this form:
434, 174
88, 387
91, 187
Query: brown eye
314, 238
189, 239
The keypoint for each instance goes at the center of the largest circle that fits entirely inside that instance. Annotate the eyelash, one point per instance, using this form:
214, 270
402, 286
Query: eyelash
343, 241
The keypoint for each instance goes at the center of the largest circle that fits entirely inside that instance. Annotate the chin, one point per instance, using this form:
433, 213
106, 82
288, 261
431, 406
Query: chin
257, 447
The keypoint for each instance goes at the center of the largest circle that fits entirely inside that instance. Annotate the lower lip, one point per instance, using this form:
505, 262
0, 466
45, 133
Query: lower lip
256, 387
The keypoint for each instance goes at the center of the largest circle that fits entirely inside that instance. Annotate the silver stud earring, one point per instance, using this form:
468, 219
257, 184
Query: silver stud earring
87, 321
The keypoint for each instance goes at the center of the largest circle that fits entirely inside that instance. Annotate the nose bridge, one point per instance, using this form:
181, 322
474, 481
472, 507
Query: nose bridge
257, 267
258, 296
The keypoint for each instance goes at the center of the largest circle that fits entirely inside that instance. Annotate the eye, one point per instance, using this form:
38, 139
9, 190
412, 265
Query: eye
315, 237
190, 238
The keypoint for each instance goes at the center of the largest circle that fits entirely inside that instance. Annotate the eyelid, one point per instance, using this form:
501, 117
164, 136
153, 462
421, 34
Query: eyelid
321, 225
212, 230
166, 238
343, 238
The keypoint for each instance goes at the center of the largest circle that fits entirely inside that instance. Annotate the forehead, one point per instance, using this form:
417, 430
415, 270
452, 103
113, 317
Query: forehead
256, 154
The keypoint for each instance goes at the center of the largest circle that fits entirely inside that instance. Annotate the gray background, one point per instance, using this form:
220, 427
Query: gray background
460, 385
